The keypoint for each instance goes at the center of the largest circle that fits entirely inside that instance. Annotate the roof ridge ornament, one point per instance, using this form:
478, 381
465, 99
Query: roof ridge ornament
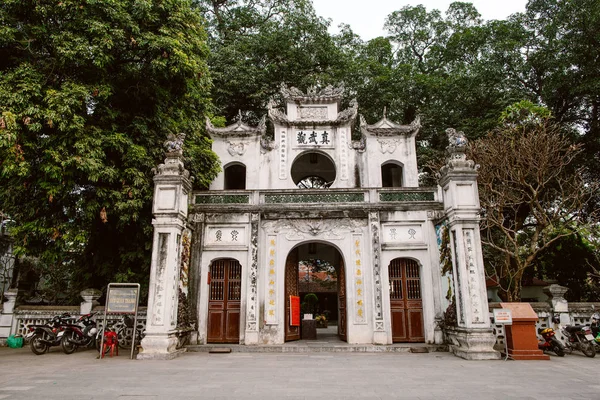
386, 127
238, 128
328, 93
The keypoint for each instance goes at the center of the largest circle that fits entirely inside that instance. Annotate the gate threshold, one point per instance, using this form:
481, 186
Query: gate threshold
315, 347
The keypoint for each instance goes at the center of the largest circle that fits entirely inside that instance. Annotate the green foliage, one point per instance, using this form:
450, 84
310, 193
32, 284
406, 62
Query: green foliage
88, 94
571, 261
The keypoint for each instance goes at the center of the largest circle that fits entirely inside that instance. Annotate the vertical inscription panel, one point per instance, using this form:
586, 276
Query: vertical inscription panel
359, 281
474, 279
283, 155
271, 269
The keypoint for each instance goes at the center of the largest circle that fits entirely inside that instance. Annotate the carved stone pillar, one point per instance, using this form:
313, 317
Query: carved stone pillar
90, 299
560, 306
458, 179
7, 313
172, 186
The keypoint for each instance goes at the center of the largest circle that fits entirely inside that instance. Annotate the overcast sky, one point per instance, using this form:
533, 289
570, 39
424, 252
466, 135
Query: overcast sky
366, 17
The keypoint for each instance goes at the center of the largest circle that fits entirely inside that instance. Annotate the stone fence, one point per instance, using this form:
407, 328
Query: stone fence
569, 313
15, 320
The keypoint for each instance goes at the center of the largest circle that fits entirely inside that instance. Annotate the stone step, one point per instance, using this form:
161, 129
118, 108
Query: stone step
321, 348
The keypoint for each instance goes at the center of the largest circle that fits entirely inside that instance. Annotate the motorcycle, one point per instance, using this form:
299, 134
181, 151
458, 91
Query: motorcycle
550, 342
579, 337
595, 328
42, 337
74, 336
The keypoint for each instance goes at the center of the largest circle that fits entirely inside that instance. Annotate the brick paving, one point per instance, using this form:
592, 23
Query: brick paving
267, 376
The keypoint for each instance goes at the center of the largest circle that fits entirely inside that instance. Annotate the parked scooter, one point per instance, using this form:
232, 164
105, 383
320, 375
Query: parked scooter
550, 343
42, 337
579, 337
74, 336
595, 328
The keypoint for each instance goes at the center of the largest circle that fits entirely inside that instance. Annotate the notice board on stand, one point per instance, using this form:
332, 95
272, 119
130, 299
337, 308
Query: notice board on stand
294, 310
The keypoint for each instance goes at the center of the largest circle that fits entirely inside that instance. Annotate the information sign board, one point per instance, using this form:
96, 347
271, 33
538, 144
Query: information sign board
122, 300
502, 316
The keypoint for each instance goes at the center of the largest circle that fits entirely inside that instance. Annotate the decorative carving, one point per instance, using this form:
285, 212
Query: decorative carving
315, 198
404, 196
457, 157
222, 199
185, 260
388, 145
312, 113
474, 278
174, 143
267, 145
379, 326
349, 113
299, 229
238, 148
295, 94
359, 145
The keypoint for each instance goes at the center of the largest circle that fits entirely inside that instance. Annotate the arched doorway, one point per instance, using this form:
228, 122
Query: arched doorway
406, 303
316, 268
224, 301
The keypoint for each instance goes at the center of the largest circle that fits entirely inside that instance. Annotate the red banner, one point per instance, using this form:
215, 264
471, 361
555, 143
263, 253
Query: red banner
294, 310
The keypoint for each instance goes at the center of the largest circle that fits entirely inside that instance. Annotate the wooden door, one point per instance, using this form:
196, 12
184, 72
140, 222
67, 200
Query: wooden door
224, 302
291, 289
341, 282
405, 301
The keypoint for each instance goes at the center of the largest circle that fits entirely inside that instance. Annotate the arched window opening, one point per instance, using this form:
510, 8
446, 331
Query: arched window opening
313, 170
235, 177
391, 175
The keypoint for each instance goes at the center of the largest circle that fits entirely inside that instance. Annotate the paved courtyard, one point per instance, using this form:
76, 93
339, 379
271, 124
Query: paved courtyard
293, 376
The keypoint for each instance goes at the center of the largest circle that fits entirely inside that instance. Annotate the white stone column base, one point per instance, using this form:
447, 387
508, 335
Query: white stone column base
251, 337
159, 346
380, 338
472, 343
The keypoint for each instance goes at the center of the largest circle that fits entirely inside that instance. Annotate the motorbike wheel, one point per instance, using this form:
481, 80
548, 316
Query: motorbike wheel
37, 346
68, 343
558, 349
588, 349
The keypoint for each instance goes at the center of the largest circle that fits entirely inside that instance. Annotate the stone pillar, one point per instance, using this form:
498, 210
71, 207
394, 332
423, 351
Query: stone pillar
7, 314
458, 179
90, 299
560, 306
172, 186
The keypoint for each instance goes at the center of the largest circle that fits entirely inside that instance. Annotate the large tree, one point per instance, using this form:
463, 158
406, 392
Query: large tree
89, 92
531, 194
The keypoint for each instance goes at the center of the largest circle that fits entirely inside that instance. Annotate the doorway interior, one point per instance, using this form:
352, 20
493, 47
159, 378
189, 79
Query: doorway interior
315, 273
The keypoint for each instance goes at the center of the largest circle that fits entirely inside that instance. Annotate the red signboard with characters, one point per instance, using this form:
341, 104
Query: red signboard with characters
294, 310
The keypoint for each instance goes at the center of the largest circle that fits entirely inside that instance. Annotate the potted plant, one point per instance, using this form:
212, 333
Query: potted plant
321, 321
308, 305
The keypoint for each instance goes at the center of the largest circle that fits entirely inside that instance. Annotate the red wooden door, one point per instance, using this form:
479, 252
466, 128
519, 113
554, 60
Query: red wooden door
291, 289
405, 301
342, 302
224, 302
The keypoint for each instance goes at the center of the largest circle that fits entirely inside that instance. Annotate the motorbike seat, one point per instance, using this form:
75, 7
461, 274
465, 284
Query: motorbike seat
573, 328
